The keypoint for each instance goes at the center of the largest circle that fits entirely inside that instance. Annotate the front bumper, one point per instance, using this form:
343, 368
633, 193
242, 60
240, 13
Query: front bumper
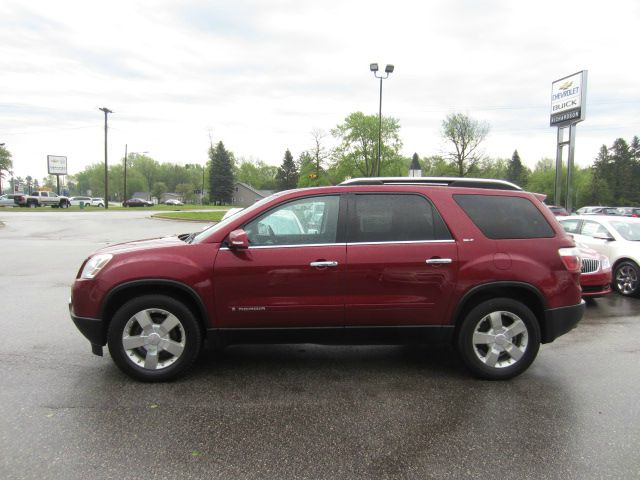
92, 328
558, 321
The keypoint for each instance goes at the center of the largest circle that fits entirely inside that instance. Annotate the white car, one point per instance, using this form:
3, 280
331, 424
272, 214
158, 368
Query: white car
97, 202
75, 201
174, 202
616, 237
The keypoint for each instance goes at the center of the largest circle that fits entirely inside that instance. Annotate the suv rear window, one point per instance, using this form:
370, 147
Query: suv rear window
501, 217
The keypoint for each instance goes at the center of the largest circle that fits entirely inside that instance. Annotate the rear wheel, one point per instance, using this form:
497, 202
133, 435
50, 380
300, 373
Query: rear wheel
499, 339
154, 338
626, 279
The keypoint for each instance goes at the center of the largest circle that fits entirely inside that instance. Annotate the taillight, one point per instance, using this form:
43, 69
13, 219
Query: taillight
571, 258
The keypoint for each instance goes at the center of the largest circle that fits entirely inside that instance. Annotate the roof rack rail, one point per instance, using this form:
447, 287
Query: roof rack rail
438, 181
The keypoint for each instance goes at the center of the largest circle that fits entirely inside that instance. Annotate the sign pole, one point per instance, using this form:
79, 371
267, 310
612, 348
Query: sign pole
572, 147
568, 108
557, 191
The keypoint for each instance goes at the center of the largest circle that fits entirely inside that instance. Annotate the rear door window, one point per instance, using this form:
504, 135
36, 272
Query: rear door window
502, 217
395, 218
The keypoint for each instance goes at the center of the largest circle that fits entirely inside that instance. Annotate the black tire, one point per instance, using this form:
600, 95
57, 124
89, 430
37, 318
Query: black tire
626, 278
64, 204
156, 355
507, 341
32, 205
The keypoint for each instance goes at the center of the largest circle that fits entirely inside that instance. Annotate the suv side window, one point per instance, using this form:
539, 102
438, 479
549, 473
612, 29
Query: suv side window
307, 221
501, 217
395, 218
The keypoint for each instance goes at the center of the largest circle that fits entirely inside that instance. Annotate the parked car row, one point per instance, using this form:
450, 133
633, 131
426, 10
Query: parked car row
600, 210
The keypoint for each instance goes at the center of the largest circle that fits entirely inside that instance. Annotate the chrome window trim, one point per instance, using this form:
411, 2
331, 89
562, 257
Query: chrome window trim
401, 242
404, 242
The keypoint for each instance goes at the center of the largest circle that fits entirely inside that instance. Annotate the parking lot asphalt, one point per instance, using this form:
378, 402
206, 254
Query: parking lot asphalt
293, 411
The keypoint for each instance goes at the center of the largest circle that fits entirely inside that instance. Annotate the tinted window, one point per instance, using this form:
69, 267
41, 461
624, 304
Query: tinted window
502, 217
301, 222
395, 218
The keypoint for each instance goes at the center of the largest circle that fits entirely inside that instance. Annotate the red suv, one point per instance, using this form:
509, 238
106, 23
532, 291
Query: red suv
477, 262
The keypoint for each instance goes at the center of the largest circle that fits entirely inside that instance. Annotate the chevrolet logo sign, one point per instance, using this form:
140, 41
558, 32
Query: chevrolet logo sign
566, 85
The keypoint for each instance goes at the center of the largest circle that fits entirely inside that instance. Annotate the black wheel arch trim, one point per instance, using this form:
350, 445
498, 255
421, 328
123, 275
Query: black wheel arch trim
149, 282
501, 284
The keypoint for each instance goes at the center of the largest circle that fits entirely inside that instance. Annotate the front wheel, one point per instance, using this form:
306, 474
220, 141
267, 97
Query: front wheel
499, 339
626, 278
154, 338
64, 205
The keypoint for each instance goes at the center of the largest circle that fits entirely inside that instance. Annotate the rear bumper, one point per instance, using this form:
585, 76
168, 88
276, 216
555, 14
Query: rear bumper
559, 321
92, 328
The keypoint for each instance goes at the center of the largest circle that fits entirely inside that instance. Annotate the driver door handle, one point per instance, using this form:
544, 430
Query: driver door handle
324, 263
439, 261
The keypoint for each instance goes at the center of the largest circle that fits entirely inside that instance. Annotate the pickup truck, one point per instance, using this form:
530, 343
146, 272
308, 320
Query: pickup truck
43, 199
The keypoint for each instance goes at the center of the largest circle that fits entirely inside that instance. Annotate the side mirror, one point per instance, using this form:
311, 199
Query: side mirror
238, 240
603, 236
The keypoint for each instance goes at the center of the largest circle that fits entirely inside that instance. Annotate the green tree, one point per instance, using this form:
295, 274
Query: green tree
159, 189
466, 135
516, 171
310, 175
146, 166
186, 191
437, 166
256, 173
6, 164
492, 168
220, 174
287, 176
356, 155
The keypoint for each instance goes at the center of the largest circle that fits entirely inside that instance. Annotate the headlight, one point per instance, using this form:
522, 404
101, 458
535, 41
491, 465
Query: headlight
95, 264
605, 262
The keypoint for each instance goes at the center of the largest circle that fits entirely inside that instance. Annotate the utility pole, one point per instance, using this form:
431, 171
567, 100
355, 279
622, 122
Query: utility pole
125, 174
106, 166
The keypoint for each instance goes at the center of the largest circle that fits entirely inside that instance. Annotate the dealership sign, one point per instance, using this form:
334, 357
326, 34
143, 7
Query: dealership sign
57, 165
568, 99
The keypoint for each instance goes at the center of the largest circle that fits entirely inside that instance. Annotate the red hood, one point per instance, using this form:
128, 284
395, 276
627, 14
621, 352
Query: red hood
147, 244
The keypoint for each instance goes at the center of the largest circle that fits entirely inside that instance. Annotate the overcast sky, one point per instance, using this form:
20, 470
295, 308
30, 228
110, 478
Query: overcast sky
261, 75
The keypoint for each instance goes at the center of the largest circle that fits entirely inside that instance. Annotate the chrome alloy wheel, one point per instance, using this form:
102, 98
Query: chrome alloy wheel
626, 279
500, 339
153, 339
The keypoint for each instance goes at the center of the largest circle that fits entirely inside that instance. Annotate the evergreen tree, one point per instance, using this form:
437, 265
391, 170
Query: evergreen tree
220, 174
601, 176
287, 176
621, 178
516, 172
415, 163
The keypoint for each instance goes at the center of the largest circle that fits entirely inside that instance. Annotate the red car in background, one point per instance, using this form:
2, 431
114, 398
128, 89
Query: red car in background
595, 277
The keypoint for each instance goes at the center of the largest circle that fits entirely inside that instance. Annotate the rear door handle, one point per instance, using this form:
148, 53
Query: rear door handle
324, 263
439, 261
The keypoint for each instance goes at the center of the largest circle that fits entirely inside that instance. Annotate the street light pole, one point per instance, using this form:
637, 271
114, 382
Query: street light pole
388, 70
106, 166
